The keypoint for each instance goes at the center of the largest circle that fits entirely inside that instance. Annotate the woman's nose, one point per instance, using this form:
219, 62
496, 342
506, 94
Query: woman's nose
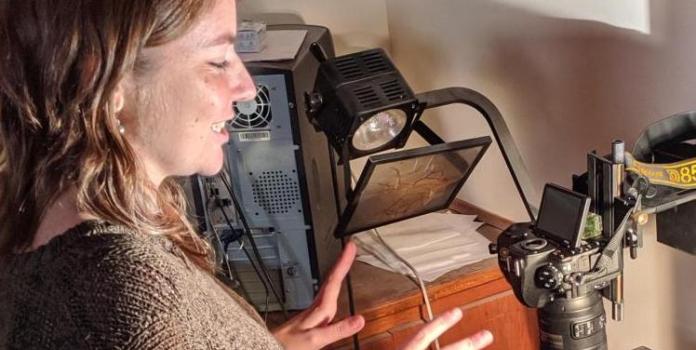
247, 86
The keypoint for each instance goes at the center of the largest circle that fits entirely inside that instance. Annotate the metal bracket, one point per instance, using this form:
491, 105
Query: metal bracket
501, 133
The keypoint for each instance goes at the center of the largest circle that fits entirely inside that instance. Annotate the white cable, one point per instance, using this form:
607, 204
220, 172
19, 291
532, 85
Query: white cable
418, 279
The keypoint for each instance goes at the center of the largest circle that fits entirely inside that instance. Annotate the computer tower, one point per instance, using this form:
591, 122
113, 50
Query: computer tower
280, 170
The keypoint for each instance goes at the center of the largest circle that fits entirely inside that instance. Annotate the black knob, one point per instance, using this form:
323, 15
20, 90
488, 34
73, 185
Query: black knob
313, 102
548, 277
493, 248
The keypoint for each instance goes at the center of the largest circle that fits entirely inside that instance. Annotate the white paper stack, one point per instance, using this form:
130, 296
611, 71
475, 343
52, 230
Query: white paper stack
433, 244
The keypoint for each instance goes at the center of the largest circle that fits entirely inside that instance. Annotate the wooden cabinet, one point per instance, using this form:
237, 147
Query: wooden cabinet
393, 308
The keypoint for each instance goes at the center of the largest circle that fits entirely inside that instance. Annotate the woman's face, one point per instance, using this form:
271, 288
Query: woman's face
174, 111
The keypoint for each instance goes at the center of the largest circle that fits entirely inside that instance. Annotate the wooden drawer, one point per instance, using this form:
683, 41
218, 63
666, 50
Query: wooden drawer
490, 306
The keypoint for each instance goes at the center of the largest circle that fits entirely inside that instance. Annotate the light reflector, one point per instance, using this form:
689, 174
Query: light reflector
379, 129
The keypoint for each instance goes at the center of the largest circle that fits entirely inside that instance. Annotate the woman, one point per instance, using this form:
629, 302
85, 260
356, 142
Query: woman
103, 102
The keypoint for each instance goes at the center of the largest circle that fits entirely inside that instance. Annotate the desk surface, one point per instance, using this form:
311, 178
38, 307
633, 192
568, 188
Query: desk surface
390, 302
378, 291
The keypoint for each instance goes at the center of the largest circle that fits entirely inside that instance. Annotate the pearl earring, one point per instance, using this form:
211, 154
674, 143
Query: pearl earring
121, 128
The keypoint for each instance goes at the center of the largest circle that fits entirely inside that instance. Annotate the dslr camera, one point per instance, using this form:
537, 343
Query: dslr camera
571, 257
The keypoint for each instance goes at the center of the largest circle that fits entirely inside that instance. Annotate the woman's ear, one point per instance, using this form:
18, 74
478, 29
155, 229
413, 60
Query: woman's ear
117, 103
118, 99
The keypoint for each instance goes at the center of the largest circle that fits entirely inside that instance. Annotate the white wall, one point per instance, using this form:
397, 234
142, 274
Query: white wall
568, 77
565, 86
552, 79
629, 14
355, 25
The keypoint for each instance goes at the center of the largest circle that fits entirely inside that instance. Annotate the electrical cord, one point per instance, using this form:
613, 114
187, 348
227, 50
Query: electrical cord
255, 248
219, 242
227, 262
248, 255
265, 310
418, 280
224, 247
221, 207
216, 234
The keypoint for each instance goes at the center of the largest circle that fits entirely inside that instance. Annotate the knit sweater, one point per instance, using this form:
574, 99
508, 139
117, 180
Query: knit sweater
100, 286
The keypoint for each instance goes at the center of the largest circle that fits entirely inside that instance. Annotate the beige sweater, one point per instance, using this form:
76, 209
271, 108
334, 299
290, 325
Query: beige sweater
100, 286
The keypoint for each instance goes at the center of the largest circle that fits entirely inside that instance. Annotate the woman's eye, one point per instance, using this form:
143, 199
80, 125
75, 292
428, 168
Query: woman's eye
220, 65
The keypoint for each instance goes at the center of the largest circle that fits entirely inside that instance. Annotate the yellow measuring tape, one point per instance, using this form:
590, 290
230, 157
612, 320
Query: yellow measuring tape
681, 174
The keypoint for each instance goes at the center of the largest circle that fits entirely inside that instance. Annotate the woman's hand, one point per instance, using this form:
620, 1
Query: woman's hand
439, 325
313, 328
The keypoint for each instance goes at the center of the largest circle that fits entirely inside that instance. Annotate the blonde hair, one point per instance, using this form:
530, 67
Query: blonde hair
60, 63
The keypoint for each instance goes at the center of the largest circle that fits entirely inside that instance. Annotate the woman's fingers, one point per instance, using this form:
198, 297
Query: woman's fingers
323, 336
293, 337
332, 284
434, 329
440, 325
477, 341
325, 305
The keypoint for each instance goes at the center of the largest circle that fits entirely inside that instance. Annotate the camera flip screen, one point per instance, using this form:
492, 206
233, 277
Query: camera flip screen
562, 215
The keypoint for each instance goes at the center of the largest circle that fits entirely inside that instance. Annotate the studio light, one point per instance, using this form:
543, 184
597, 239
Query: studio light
362, 103
379, 129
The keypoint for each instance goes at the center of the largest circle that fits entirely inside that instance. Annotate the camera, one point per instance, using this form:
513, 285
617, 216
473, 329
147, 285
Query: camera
547, 263
545, 258
571, 256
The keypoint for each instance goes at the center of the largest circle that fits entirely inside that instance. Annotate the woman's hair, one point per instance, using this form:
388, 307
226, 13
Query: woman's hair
60, 63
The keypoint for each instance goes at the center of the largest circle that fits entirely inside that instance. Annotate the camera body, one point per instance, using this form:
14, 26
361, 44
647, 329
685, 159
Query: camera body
550, 258
541, 269
547, 275
558, 266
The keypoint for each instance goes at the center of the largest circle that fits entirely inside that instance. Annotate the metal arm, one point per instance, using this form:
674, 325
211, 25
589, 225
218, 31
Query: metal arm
483, 105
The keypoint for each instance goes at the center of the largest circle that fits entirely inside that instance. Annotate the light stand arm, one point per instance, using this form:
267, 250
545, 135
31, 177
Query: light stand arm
511, 155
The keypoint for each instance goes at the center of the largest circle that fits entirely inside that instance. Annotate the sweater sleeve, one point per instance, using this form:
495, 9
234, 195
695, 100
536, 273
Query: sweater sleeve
103, 286
128, 297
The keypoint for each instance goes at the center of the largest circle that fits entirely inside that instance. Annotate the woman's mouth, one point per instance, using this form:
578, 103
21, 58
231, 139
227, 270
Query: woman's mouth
220, 130
218, 127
